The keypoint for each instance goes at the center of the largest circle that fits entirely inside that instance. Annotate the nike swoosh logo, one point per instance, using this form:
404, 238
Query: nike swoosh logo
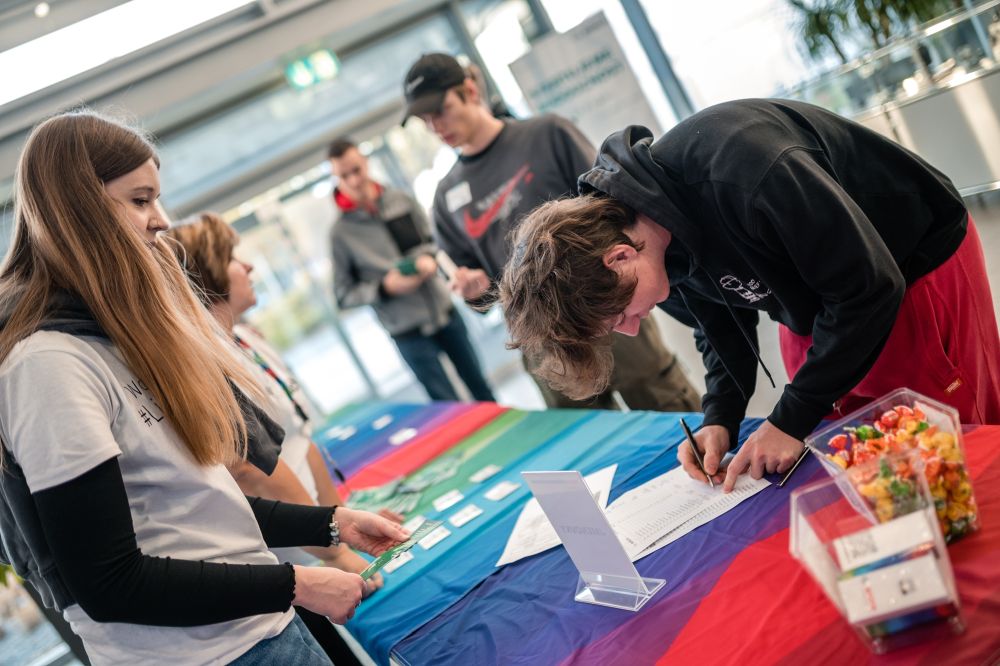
477, 226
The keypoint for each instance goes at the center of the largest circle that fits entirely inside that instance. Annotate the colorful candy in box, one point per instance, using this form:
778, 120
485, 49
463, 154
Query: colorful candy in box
899, 422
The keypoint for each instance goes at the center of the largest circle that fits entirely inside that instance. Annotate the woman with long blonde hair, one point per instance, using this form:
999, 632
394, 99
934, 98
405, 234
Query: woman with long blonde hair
119, 410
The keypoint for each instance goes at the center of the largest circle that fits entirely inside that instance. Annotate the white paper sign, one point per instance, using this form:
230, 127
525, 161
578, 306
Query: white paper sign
581, 524
533, 534
583, 75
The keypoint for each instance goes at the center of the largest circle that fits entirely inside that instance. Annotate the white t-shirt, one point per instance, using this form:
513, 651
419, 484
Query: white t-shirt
68, 404
298, 433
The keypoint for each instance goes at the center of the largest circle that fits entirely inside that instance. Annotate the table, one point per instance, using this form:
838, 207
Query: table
733, 592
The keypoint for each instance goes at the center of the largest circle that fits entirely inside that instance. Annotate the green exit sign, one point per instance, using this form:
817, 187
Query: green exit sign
318, 66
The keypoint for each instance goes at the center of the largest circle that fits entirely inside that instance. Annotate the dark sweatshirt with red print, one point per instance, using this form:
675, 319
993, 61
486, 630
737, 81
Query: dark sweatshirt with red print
486, 195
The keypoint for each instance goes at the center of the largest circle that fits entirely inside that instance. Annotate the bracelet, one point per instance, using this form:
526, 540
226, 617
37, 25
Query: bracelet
334, 529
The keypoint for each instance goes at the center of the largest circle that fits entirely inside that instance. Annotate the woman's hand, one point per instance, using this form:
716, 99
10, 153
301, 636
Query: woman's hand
346, 559
328, 591
392, 515
368, 532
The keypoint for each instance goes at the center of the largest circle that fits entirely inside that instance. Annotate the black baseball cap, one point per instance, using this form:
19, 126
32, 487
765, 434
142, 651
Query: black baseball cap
428, 81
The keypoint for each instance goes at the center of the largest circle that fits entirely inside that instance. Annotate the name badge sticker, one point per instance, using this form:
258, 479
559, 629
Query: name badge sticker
458, 196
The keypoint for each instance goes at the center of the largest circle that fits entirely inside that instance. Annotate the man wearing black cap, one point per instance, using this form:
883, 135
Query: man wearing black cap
505, 169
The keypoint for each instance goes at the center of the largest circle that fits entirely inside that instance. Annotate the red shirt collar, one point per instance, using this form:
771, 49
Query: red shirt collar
345, 203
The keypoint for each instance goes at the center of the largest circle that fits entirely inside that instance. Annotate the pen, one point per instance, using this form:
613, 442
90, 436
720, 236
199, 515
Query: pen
697, 454
788, 474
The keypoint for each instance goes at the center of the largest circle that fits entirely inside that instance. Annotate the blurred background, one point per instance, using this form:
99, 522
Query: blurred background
243, 97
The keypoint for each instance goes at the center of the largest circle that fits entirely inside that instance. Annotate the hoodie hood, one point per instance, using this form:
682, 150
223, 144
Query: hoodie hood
625, 170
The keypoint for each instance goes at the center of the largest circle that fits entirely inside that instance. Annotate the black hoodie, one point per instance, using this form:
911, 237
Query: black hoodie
786, 208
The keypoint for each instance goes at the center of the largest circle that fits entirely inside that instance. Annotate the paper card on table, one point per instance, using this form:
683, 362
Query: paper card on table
434, 538
403, 435
669, 506
449, 499
485, 473
533, 533
425, 529
465, 514
413, 523
501, 490
398, 561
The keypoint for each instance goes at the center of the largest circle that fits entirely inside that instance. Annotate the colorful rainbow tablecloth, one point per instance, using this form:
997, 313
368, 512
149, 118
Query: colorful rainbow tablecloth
733, 592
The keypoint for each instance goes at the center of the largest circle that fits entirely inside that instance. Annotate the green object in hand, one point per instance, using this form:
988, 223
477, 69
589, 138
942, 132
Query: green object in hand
407, 266
425, 528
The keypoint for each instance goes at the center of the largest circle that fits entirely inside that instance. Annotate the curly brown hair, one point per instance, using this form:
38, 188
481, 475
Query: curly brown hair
558, 296
204, 248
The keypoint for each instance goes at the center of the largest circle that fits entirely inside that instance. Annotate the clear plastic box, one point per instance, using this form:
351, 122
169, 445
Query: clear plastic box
891, 581
900, 421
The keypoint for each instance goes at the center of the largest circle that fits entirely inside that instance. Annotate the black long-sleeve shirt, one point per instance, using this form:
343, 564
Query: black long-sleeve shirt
88, 526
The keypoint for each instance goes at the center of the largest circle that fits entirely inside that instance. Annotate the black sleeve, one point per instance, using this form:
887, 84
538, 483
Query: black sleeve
286, 525
88, 526
730, 368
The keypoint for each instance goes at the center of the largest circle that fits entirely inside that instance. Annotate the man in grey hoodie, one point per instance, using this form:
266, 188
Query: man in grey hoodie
383, 256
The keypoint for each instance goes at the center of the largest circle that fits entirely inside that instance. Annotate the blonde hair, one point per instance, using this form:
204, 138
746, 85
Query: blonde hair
204, 248
558, 296
70, 234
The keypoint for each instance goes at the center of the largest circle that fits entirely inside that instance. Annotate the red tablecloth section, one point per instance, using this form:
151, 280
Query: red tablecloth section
765, 609
425, 447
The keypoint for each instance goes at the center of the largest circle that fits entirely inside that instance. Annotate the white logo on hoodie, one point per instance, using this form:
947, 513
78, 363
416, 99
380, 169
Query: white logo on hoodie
750, 291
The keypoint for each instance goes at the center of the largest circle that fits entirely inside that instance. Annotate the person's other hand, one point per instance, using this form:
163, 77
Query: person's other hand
470, 283
713, 441
397, 284
346, 559
426, 266
389, 514
768, 450
368, 532
328, 591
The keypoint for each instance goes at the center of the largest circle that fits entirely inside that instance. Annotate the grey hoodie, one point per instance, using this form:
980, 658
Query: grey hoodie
365, 249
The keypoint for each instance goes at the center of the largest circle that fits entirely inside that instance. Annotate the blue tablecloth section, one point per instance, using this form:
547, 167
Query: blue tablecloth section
539, 590
436, 579
346, 440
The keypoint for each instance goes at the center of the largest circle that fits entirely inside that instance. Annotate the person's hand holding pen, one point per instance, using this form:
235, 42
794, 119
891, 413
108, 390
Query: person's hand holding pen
767, 450
713, 440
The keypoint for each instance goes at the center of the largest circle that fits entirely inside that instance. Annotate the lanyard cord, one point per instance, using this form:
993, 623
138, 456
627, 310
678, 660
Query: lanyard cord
259, 360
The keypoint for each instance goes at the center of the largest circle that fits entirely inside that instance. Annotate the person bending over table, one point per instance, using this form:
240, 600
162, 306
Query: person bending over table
863, 252
119, 410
